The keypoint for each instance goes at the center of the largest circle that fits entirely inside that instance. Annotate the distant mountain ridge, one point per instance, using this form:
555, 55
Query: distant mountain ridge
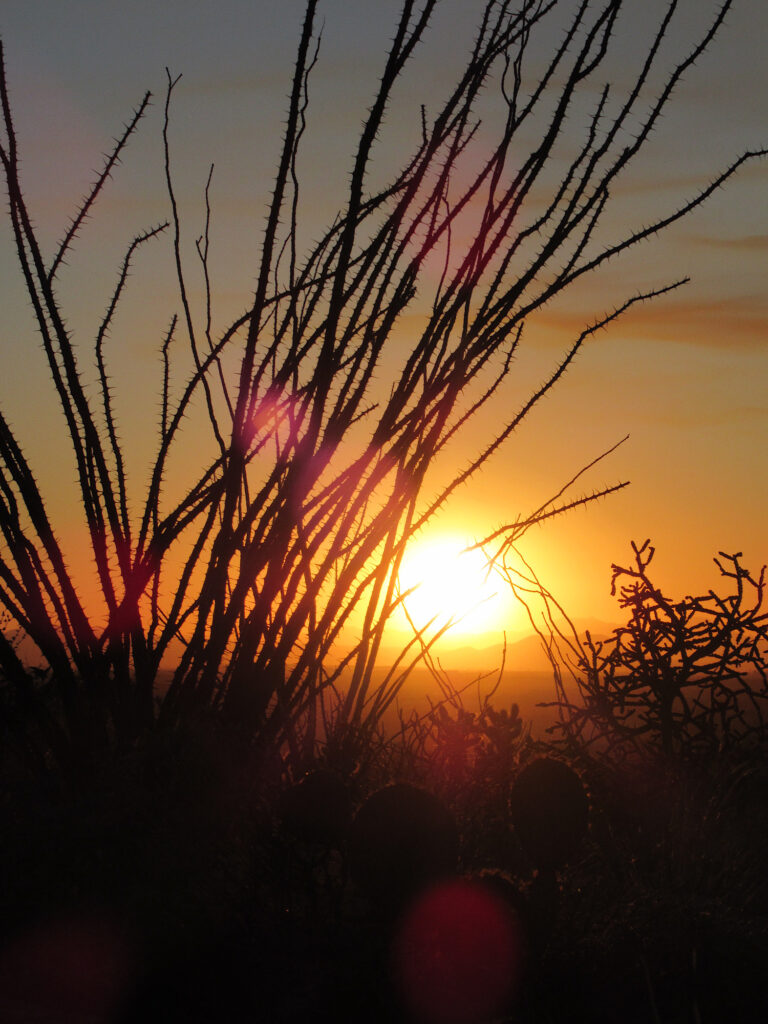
523, 654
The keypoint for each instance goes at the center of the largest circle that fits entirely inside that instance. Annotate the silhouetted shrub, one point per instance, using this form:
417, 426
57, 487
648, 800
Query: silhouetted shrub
682, 680
317, 808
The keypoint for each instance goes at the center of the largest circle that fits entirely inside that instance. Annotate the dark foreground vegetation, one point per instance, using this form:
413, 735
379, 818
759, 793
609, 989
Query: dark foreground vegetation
456, 872
248, 843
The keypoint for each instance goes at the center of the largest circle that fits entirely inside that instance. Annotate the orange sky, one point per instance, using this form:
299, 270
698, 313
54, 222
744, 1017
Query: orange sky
685, 377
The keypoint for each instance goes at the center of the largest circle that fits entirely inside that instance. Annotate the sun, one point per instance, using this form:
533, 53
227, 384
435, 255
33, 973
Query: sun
446, 583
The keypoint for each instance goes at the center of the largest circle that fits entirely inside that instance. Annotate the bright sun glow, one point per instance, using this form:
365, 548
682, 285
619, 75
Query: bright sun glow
452, 584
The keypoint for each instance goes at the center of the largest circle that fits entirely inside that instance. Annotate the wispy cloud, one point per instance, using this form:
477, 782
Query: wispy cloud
742, 243
737, 321
751, 416
685, 184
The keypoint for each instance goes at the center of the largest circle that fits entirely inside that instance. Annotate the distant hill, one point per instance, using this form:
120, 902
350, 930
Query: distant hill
524, 653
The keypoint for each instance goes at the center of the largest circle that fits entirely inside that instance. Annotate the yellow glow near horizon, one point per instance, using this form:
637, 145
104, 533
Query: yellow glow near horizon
450, 584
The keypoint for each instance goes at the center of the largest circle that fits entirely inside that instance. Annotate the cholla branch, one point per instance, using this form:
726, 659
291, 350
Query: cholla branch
681, 678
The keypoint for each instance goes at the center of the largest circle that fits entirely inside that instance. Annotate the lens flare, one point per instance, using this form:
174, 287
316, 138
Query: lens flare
458, 954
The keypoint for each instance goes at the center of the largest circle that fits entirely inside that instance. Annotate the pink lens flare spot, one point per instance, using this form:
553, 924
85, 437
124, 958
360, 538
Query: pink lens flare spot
70, 968
458, 954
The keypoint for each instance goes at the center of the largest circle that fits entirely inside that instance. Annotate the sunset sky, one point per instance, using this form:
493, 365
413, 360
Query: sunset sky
684, 377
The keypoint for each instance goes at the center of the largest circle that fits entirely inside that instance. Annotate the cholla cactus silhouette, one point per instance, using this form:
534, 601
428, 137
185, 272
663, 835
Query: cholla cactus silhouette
401, 839
683, 678
550, 812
